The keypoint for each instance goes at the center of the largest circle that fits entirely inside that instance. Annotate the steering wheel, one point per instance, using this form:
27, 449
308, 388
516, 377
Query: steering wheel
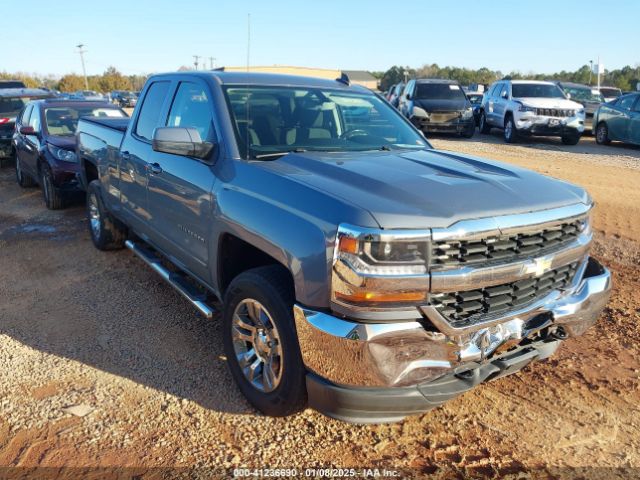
355, 132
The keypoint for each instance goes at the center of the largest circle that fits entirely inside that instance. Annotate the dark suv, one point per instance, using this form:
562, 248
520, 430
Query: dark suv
435, 105
45, 143
12, 100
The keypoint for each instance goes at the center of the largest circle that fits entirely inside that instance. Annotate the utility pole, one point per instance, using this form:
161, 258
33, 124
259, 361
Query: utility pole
590, 71
81, 51
212, 61
195, 60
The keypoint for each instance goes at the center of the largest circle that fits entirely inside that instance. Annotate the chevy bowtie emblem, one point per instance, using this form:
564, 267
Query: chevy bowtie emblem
539, 266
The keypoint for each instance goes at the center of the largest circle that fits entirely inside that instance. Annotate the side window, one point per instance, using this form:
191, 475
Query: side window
503, 90
149, 117
34, 120
637, 107
24, 118
625, 103
494, 90
191, 109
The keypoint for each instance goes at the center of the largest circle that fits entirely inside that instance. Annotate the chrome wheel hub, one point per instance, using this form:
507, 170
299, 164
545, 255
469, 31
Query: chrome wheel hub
94, 215
256, 343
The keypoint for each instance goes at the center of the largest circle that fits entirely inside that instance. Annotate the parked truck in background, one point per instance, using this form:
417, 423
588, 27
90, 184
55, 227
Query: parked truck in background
360, 271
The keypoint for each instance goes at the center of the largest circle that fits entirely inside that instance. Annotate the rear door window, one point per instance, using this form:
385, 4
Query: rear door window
149, 117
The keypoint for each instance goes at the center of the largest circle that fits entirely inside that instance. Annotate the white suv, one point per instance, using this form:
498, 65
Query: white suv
527, 107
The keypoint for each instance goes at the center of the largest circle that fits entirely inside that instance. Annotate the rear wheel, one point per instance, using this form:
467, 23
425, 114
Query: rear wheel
106, 232
483, 125
24, 179
510, 133
53, 198
602, 134
260, 341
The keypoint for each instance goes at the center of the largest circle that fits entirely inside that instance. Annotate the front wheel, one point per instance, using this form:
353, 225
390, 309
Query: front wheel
510, 133
484, 127
106, 232
260, 341
53, 198
570, 139
602, 134
468, 133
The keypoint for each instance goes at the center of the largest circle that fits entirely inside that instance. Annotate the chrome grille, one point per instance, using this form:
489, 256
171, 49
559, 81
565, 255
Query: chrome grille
555, 112
462, 308
460, 253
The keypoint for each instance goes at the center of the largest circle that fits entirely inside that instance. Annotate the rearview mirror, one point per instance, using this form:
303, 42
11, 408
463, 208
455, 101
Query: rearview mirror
181, 141
27, 130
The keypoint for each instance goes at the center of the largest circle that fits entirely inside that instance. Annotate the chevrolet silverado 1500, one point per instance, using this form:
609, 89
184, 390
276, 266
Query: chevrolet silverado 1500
361, 271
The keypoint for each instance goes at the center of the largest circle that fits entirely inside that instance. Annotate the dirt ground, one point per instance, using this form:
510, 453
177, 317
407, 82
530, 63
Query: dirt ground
101, 331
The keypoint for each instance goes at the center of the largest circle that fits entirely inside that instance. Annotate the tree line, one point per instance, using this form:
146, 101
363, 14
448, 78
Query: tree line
624, 78
108, 81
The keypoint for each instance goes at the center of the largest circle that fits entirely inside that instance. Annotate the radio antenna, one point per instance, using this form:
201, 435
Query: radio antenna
247, 136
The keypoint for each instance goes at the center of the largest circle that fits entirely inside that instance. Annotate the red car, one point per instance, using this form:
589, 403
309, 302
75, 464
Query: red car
45, 143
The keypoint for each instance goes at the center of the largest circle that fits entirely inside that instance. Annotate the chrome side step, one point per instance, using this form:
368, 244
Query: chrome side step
176, 280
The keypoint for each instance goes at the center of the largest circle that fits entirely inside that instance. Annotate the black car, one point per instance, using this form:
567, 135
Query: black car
435, 105
45, 144
12, 100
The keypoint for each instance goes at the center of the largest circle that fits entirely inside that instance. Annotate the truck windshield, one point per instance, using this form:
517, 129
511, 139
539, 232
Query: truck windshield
64, 120
439, 91
536, 90
275, 120
610, 92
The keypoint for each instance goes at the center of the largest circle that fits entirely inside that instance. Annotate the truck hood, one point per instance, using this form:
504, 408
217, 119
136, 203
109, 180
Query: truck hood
426, 188
442, 105
550, 103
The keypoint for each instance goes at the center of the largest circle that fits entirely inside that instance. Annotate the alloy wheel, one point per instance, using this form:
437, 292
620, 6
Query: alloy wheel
256, 343
94, 215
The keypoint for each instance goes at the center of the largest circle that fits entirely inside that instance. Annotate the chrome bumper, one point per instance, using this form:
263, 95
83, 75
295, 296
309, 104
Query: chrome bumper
404, 354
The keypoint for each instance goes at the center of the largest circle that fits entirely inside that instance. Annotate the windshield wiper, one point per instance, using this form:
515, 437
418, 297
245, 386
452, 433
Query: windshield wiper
278, 154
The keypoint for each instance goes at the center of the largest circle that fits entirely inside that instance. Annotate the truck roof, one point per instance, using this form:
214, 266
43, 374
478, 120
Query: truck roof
24, 92
271, 79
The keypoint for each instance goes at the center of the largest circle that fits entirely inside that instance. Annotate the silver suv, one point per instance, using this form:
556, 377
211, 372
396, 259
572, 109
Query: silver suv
527, 107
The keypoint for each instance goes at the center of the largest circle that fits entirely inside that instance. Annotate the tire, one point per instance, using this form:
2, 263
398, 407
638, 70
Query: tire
106, 232
24, 179
468, 133
570, 139
483, 126
52, 195
602, 134
510, 132
271, 288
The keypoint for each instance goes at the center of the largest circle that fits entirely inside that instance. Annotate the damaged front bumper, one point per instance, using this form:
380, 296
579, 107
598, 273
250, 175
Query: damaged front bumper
378, 372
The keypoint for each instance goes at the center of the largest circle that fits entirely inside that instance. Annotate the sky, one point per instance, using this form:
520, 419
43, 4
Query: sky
147, 36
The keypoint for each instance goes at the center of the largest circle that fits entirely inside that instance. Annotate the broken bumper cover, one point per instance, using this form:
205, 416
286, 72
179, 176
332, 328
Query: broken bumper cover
377, 372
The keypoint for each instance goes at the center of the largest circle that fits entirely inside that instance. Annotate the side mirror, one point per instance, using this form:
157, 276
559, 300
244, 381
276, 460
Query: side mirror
408, 96
181, 141
27, 130
505, 95
568, 96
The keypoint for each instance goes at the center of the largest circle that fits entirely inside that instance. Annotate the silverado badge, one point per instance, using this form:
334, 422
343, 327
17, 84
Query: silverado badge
539, 266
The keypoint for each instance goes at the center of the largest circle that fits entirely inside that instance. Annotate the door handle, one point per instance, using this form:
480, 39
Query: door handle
155, 168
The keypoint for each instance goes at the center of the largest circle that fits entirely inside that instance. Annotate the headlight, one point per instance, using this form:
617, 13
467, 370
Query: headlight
527, 108
62, 154
467, 114
379, 269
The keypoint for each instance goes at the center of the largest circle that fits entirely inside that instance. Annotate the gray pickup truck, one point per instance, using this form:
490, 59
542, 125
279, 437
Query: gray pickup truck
359, 270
